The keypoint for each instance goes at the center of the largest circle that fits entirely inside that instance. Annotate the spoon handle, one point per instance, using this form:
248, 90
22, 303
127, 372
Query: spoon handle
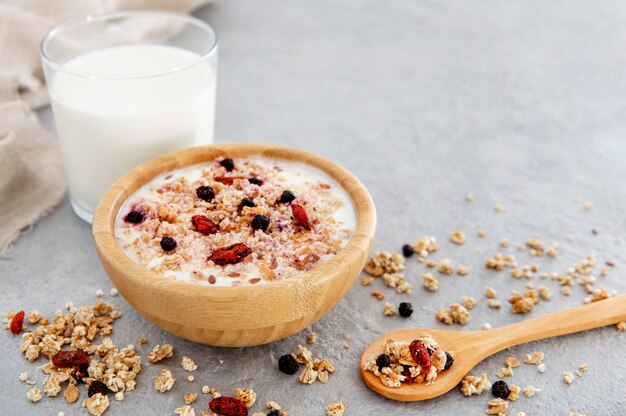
593, 315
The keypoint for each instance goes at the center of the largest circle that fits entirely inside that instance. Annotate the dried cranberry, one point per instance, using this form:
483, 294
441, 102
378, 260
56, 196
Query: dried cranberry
408, 250
97, 387
255, 181
232, 254
419, 353
288, 364
68, 359
382, 361
168, 244
16, 322
405, 309
260, 222
227, 180
228, 406
247, 202
228, 164
205, 193
134, 217
449, 361
203, 224
286, 196
300, 215
500, 389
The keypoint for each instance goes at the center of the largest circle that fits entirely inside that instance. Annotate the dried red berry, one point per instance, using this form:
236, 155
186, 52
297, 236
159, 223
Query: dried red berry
97, 387
407, 374
419, 353
16, 322
68, 359
203, 224
227, 180
228, 406
230, 255
300, 215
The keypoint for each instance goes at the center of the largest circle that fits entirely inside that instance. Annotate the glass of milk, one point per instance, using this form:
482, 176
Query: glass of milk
126, 87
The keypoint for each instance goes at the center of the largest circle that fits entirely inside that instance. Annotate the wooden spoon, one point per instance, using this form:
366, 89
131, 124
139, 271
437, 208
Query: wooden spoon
471, 347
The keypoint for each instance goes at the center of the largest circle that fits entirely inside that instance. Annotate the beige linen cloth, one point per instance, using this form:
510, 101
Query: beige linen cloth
31, 174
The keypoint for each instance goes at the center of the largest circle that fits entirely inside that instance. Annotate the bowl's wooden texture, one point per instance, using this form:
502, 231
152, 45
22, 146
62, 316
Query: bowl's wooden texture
243, 315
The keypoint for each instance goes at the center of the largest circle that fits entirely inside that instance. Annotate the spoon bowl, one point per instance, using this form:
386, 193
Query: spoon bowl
471, 347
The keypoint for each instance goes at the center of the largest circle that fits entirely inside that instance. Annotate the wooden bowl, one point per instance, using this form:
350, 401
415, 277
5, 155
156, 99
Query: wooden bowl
242, 315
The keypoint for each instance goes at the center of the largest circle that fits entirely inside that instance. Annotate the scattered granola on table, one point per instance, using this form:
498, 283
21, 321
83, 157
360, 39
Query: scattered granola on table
455, 314
568, 377
390, 309
160, 352
164, 381
473, 385
188, 364
534, 358
383, 262
418, 361
430, 282
498, 407
336, 409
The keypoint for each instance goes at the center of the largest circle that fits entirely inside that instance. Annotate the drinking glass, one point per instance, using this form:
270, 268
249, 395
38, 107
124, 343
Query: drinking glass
125, 87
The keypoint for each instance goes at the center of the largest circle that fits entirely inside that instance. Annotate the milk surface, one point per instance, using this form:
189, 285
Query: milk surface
108, 125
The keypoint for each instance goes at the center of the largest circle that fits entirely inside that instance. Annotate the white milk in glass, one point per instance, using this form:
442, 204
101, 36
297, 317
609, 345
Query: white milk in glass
121, 116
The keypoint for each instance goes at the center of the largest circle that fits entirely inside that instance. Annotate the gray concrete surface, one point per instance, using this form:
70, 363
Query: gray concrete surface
519, 102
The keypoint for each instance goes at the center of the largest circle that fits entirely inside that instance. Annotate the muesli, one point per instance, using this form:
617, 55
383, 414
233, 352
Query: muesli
236, 222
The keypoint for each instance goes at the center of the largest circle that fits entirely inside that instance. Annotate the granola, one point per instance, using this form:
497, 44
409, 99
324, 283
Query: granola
471, 385
455, 314
497, 407
246, 395
33, 395
265, 219
430, 282
164, 381
383, 262
390, 309
534, 358
96, 404
160, 352
336, 409
418, 361
458, 237
188, 364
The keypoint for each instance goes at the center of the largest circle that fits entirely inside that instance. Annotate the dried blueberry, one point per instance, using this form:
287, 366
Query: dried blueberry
449, 361
97, 387
288, 364
247, 202
168, 243
275, 413
260, 222
228, 164
405, 309
408, 250
286, 196
134, 217
500, 389
255, 181
206, 193
383, 360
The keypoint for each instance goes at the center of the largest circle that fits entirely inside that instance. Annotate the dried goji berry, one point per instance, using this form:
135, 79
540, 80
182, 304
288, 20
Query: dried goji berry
16, 322
299, 213
230, 255
419, 353
227, 180
228, 406
203, 224
97, 387
68, 359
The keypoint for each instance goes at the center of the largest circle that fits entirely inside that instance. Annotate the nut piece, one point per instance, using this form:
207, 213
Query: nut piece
160, 352
96, 404
164, 381
336, 409
458, 237
378, 294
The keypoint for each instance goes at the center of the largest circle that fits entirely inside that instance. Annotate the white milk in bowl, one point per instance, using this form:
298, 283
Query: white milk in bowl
133, 107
